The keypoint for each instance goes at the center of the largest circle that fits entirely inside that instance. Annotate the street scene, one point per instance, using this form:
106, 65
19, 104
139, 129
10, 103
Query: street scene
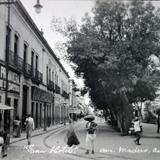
79, 79
108, 145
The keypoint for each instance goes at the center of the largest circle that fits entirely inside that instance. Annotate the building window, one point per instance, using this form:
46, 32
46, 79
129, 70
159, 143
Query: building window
36, 67
9, 101
32, 110
8, 32
56, 79
47, 74
52, 76
16, 39
25, 53
32, 61
62, 85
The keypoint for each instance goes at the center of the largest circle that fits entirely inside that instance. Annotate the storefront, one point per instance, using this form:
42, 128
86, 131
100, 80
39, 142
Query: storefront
42, 107
13, 94
3, 109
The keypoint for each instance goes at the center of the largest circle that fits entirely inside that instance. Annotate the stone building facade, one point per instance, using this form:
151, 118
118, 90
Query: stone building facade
38, 84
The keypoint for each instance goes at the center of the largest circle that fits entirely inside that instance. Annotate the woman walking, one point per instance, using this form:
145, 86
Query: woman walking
71, 136
137, 129
91, 127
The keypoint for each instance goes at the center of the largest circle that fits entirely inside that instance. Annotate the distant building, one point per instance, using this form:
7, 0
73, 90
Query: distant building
76, 103
38, 83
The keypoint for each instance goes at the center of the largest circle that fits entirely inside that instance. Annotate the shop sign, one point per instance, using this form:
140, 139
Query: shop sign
73, 110
13, 87
2, 83
41, 95
2, 72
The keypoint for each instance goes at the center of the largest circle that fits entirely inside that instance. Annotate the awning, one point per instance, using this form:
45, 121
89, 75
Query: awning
5, 107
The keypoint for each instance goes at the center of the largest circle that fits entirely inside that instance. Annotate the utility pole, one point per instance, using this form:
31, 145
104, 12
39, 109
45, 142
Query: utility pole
7, 112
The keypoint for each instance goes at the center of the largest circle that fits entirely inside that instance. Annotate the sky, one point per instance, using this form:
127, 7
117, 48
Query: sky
59, 9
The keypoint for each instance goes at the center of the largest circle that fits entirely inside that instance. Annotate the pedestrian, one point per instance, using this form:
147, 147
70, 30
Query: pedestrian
29, 128
4, 143
138, 130
71, 136
91, 127
17, 127
1, 144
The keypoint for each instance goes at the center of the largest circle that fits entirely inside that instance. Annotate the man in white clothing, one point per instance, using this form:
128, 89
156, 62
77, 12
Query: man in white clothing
91, 127
29, 128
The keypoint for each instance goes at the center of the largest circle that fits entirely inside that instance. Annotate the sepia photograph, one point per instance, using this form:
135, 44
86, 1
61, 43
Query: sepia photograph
79, 79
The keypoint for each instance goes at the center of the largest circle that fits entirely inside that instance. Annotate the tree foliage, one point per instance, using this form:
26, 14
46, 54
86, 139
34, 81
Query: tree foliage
112, 49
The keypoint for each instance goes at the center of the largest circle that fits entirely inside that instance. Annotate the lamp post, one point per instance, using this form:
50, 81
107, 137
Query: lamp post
38, 7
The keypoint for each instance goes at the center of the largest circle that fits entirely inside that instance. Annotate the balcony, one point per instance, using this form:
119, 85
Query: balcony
50, 86
15, 62
65, 95
57, 89
18, 64
37, 77
27, 70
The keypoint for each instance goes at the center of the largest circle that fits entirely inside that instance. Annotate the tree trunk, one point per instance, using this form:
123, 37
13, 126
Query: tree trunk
126, 113
140, 111
121, 122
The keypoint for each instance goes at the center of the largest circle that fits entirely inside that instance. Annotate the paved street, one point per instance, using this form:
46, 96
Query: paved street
109, 145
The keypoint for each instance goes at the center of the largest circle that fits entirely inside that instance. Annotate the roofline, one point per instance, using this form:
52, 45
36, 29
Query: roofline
32, 24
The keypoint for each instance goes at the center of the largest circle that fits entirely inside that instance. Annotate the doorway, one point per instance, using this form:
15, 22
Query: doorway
24, 107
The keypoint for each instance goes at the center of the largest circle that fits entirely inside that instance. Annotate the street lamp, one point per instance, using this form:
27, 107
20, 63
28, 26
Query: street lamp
38, 7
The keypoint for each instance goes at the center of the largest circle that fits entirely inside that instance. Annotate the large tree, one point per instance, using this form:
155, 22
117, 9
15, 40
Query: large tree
112, 49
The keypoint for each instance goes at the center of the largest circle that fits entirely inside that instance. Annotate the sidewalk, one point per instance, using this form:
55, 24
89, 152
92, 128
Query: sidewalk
150, 131
36, 132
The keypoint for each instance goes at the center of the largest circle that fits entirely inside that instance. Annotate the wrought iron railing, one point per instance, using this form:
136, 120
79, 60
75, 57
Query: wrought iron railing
65, 95
37, 76
27, 70
57, 89
50, 86
18, 64
15, 61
